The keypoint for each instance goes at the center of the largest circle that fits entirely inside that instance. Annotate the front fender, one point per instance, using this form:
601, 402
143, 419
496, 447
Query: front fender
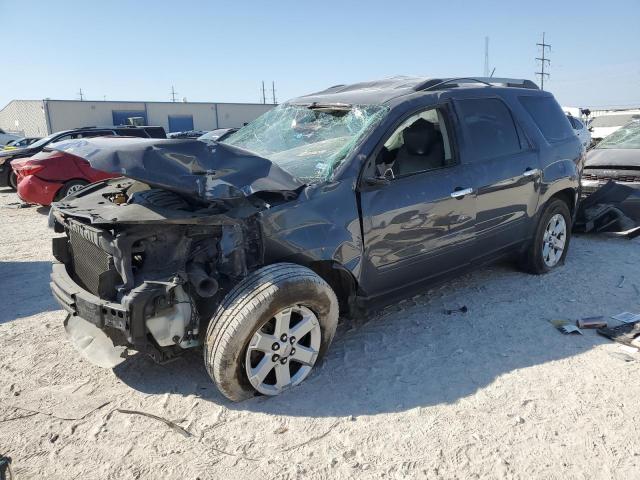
322, 224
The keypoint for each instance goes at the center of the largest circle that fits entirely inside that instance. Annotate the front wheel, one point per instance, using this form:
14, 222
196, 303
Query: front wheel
550, 244
270, 331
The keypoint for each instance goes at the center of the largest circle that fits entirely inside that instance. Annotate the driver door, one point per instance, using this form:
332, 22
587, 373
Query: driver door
420, 224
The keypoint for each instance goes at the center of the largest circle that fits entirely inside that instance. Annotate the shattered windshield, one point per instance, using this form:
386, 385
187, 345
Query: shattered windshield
627, 137
308, 141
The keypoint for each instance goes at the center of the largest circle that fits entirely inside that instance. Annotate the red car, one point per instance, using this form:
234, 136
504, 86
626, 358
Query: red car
52, 175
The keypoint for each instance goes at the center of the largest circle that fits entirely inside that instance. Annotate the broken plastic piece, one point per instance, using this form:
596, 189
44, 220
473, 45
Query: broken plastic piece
627, 317
93, 344
462, 309
592, 322
568, 329
625, 334
565, 326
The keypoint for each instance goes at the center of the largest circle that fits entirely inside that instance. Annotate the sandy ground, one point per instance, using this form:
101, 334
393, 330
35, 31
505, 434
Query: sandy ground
410, 393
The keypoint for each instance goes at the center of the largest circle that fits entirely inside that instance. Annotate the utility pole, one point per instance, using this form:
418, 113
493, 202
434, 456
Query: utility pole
486, 56
273, 91
544, 61
81, 94
173, 94
264, 96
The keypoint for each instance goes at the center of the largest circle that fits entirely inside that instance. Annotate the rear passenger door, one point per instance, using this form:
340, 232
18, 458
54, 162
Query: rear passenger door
504, 169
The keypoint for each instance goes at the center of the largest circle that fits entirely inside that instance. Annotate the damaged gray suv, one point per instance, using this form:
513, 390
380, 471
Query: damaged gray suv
335, 202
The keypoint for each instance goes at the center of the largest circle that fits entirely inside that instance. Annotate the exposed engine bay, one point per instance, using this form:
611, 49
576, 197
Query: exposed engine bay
151, 264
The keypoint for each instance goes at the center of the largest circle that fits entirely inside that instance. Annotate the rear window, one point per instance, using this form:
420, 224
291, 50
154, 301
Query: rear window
132, 132
490, 126
549, 117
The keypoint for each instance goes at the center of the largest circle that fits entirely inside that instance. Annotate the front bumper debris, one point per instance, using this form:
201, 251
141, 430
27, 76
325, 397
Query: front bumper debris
93, 343
78, 302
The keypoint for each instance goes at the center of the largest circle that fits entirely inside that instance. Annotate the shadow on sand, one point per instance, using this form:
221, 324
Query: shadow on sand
24, 289
412, 355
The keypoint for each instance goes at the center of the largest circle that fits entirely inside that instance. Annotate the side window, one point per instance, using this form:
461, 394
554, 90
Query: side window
62, 138
419, 144
94, 133
490, 127
549, 117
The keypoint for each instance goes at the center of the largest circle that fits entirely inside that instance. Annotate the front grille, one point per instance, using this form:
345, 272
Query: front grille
607, 177
92, 267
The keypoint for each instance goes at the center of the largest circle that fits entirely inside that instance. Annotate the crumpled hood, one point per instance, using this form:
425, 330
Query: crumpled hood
613, 157
189, 167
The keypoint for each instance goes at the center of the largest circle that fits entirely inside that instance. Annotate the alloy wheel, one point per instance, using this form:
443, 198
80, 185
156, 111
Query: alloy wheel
283, 350
554, 240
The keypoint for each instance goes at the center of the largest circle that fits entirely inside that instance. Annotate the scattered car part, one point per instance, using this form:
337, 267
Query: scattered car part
626, 334
592, 322
627, 317
462, 309
605, 210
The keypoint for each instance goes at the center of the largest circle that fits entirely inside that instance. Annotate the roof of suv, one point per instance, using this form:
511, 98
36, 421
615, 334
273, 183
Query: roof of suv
381, 91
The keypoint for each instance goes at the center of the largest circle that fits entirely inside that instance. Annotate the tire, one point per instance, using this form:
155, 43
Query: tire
248, 311
70, 187
12, 180
535, 259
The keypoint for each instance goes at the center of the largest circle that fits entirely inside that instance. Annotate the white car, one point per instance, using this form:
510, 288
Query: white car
7, 137
581, 130
604, 125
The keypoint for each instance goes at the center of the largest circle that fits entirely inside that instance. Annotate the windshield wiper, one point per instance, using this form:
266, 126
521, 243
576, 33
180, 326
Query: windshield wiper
342, 107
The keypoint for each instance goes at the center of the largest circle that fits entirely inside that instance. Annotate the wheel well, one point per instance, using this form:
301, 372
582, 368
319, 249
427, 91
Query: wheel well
339, 279
568, 195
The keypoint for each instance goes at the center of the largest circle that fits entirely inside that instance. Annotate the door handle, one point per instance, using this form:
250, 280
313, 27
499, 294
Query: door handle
530, 171
461, 193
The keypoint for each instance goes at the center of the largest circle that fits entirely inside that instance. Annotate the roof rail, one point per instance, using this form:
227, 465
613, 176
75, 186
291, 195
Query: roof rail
442, 83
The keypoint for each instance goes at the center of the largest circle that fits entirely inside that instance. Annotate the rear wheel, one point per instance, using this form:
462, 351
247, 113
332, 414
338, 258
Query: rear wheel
550, 244
71, 187
270, 331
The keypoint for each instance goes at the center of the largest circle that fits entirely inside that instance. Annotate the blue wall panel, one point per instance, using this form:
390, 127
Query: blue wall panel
180, 123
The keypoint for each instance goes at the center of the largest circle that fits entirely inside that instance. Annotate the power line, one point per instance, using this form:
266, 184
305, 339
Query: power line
173, 94
486, 56
543, 61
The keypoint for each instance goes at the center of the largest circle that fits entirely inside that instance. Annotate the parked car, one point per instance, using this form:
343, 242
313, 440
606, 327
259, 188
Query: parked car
7, 175
187, 134
7, 137
580, 130
616, 158
52, 175
604, 125
217, 135
20, 143
342, 200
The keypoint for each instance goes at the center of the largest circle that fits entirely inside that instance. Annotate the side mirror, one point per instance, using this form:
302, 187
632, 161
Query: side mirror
376, 181
381, 179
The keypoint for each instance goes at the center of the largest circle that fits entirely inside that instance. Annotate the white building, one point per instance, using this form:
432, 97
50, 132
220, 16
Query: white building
38, 118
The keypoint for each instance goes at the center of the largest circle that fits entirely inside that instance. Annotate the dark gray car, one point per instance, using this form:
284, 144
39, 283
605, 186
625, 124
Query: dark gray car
335, 202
